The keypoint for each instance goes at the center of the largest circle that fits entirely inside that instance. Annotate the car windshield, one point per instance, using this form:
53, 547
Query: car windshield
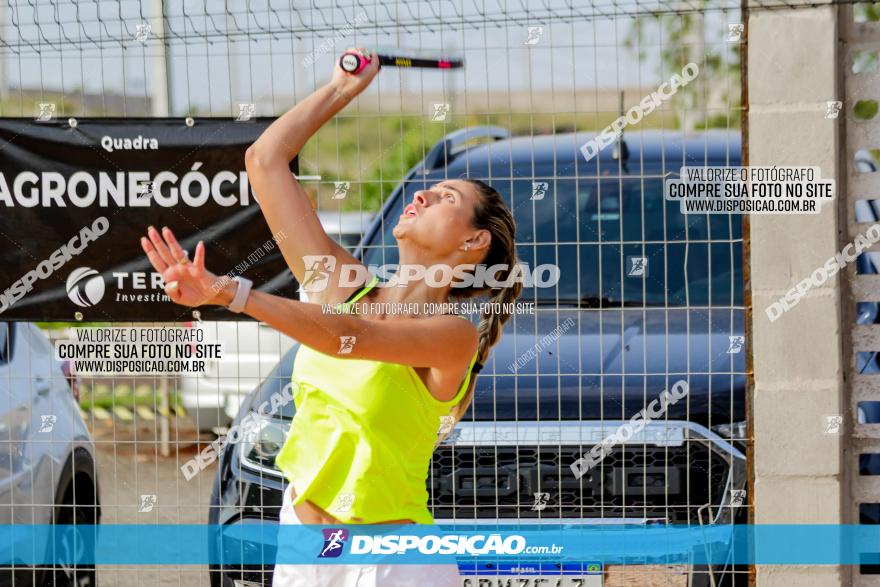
615, 241
348, 240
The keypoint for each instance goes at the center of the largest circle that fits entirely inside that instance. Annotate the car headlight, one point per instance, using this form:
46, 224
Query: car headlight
734, 431
261, 440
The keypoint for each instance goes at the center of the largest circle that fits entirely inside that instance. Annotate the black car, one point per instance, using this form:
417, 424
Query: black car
647, 296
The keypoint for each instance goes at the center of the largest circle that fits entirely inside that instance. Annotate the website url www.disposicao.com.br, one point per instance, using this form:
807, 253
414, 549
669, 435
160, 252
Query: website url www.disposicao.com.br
452, 544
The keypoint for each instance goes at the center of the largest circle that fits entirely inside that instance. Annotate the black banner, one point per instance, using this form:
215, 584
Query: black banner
76, 196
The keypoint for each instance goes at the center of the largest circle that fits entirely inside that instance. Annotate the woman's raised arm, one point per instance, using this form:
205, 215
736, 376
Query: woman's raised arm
284, 202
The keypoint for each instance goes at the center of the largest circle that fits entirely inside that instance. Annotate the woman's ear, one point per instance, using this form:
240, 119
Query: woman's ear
480, 240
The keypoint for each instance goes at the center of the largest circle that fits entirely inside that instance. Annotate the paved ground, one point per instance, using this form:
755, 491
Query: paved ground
646, 576
130, 466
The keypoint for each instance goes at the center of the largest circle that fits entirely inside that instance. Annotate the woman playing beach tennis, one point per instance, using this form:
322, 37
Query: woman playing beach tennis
373, 392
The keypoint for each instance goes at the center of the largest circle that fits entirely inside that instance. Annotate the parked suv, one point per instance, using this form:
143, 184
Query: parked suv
47, 457
647, 296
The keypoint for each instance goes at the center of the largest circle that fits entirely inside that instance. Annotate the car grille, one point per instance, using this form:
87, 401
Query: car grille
636, 482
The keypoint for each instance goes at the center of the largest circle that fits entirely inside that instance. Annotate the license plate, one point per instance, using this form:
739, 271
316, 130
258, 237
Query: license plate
532, 581
532, 574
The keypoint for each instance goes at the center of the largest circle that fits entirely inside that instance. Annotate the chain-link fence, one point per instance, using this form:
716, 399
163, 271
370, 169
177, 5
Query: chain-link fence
617, 392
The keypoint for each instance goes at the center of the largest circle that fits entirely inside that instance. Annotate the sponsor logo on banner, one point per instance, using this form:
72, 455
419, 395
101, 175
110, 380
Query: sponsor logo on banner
85, 287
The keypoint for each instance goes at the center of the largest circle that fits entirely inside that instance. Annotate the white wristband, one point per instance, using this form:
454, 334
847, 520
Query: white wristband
241, 295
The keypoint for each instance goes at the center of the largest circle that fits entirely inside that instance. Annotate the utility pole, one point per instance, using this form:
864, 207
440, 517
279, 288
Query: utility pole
452, 79
160, 106
161, 102
231, 59
4, 88
695, 49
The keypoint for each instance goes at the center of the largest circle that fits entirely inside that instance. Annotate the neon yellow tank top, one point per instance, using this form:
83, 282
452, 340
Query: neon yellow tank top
362, 436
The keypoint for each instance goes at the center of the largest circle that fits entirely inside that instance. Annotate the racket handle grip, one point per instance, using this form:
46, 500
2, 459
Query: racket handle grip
353, 62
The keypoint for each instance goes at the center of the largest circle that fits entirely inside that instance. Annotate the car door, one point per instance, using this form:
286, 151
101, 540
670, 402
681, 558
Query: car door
13, 407
47, 431
15, 416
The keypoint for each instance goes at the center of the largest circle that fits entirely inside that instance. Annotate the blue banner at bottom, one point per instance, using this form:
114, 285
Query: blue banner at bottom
257, 543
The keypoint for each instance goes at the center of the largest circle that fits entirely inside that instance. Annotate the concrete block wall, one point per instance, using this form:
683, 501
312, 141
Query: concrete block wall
798, 360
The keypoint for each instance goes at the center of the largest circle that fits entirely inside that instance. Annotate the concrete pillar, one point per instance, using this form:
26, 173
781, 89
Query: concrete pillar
161, 95
799, 362
4, 83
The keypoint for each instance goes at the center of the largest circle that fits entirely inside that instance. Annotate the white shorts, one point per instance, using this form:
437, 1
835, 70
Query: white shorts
330, 575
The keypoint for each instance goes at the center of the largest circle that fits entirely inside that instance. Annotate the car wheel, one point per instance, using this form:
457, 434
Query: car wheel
77, 505
71, 513
720, 576
218, 577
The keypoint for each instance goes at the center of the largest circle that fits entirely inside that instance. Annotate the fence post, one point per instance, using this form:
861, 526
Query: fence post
164, 405
798, 358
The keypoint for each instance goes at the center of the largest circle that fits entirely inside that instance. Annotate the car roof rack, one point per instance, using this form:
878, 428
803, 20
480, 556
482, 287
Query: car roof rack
451, 144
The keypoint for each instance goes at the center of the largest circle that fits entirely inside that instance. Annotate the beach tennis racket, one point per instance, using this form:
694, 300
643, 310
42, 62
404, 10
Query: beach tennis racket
355, 62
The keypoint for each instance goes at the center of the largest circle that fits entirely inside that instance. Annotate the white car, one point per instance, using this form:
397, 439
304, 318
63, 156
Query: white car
250, 349
47, 457
346, 228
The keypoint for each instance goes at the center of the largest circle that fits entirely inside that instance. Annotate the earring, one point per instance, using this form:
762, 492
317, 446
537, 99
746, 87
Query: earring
467, 246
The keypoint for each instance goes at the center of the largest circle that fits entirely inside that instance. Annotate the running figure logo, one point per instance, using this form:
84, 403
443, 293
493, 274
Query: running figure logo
447, 423
440, 112
535, 34
148, 502
737, 497
47, 422
143, 30
833, 424
736, 345
344, 502
832, 108
346, 344
638, 267
542, 499
246, 111
735, 32
318, 270
47, 112
340, 189
145, 189
539, 190
334, 539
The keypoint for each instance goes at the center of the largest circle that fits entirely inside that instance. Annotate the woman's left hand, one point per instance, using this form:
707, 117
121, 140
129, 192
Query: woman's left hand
187, 282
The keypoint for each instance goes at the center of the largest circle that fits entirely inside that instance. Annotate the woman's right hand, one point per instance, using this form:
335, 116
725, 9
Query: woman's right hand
352, 84
187, 283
